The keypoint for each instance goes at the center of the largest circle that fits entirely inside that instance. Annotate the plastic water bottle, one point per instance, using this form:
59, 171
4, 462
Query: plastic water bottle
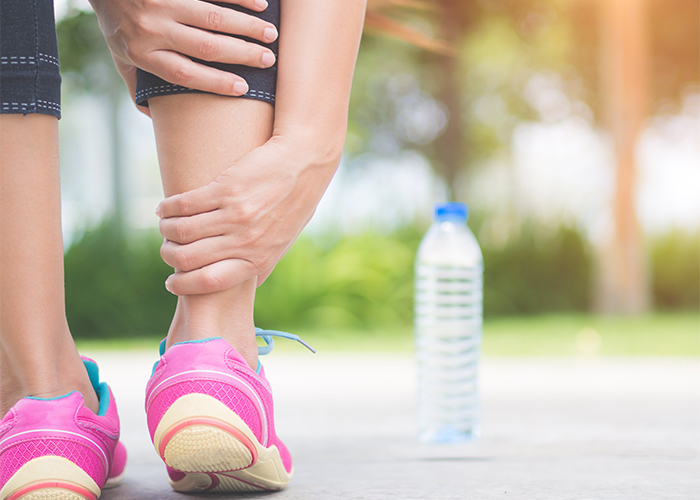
448, 322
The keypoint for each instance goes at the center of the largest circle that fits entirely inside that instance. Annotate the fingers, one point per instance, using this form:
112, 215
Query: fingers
220, 48
216, 277
184, 230
257, 5
194, 255
197, 201
219, 19
180, 70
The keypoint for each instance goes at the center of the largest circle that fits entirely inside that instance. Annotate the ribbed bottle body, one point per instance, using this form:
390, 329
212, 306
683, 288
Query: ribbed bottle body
448, 330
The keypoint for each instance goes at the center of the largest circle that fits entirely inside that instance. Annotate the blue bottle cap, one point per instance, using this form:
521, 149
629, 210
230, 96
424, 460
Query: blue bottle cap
453, 212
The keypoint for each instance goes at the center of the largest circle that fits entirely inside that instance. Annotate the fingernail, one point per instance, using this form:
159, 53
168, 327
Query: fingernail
270, 34
167, 284
240, 88
268, 59
158, 211
261, 4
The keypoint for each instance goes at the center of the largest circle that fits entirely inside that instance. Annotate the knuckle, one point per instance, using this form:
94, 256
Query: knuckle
251, 238
215, 20
140, 22
181, 232
183, 259
157, 4
183, 205
255, 26
246, 213
146, 25
251, 55
209, 49
211, 281
182, 75
258, 267
223, 84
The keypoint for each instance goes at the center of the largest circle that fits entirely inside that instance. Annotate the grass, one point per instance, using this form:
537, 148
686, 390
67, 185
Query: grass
676, 334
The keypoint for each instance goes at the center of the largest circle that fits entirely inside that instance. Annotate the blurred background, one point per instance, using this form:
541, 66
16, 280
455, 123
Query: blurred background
571, 128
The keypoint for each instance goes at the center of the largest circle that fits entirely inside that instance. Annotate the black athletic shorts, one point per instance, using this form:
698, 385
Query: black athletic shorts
30, 81
261, 82
29, 77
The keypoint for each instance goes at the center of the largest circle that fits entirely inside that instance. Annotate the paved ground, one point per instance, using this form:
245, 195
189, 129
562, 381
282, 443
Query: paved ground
553, 429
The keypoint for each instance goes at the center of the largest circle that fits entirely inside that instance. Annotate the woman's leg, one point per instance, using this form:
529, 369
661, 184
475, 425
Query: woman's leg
198, 137
37, 353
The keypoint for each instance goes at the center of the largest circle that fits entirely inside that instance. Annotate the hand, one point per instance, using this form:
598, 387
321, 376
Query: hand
156, 35
239, 226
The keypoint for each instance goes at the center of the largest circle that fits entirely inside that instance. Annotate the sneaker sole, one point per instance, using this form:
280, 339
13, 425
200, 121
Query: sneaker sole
215, 450
50, 477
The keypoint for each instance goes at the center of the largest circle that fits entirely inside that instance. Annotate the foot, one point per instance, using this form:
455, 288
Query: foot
211, 420
59, 448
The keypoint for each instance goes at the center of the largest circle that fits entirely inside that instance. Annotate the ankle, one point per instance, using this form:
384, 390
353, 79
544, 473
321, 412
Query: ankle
243, 342
11, 392
44, 379
195, 320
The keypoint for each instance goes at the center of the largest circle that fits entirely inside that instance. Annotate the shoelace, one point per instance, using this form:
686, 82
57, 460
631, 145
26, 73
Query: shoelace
267, 335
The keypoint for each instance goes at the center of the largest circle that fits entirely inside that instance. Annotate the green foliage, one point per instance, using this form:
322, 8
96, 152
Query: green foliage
80, 41
363, 281
537, 271
85, 58
675, 262
366, 281
116, 289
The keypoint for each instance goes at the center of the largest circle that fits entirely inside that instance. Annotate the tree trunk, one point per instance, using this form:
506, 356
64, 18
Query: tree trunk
450, 152
623, 281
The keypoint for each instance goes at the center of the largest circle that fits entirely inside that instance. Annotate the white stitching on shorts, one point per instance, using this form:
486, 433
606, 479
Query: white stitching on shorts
154, 91
146, 93
27, 106
15, 106
49, 104
53, 59
17, 60
47, 58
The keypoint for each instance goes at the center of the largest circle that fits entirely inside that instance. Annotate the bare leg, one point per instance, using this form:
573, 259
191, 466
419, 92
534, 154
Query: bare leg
37, 353
198, 137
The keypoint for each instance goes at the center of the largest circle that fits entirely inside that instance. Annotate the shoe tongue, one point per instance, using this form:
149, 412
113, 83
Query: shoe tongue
93, 373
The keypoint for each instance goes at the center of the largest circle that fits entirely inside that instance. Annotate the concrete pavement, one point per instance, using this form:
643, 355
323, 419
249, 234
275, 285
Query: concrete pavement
552, 429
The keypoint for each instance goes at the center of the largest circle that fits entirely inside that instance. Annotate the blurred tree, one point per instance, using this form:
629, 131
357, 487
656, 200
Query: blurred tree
451, 18
623, 58
623, 284
86, 65
636, 56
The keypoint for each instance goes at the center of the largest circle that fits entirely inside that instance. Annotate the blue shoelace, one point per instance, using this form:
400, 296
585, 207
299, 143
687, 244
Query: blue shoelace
267, 335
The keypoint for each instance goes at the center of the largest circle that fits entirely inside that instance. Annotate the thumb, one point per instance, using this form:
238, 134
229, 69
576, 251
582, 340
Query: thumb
215, 277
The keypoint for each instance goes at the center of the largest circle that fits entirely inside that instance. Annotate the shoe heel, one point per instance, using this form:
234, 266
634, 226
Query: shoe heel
200, 434
207, 445
215, 450
50, 477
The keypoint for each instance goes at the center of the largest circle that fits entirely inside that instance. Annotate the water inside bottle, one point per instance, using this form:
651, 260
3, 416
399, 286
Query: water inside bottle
448, 327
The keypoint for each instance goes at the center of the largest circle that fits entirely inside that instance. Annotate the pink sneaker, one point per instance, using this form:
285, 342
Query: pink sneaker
59, 449
211, 419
